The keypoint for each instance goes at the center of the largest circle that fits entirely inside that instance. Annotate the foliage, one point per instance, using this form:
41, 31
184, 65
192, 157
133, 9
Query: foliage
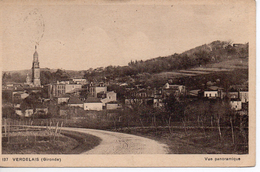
8, 112
174, 107
30, 102
48, 77
13, 77
203, 55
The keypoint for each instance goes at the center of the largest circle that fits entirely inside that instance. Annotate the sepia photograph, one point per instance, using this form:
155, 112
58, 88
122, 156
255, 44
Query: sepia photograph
128, 83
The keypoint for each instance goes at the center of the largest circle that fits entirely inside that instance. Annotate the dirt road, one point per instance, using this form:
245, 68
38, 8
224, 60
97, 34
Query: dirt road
120, 143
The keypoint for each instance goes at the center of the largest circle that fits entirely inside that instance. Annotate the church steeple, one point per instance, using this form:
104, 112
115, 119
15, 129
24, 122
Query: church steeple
35, 55
36, 69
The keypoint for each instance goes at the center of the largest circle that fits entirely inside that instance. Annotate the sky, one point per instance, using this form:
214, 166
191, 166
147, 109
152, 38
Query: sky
79, 37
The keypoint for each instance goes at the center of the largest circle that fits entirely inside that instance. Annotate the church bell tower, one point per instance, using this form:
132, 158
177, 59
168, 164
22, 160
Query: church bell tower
36, 70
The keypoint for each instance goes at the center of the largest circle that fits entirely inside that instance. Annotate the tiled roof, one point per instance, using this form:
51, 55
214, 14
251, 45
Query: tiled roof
93, 100
74, 100
214, 88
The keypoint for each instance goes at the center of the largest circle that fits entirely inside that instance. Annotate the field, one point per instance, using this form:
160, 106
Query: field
189, 137
227, 65
23, 139
195, 141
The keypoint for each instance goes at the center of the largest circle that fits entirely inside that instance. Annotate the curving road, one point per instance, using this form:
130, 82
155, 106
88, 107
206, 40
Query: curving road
120, 143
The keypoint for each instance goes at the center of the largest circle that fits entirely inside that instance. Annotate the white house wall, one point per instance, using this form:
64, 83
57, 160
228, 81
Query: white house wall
93, 106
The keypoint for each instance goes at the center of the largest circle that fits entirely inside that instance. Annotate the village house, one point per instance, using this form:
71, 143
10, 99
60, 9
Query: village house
236, 104
108, 97
176, 90
63, 99
244, 96
27, 112
18, 97
80, 81
75, 102
213, 92
158, 98
113, 105
93, 103
94, 89
63, 87
232, 93
140, 96
13, 86
41, 109
194, 93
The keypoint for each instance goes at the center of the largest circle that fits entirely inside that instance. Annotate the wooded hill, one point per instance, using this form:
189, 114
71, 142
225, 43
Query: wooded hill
200, 56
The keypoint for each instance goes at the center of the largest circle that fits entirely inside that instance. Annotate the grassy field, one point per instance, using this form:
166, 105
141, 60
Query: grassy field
34, 141
226, 65
191, 139
195, 141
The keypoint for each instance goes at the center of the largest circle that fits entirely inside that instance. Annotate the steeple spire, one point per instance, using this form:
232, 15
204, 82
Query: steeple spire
36, 69
35, 55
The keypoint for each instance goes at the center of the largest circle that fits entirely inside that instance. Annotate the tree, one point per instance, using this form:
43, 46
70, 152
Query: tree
47, 77
30, 102
8, 112
222, 112
174, 110
202, 57
61, 75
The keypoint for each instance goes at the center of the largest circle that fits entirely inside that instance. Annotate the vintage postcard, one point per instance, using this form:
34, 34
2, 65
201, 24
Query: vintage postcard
109, 83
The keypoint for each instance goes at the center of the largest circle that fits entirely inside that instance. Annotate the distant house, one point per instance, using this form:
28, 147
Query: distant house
194, 93
158, 98
109, 97
60, 88
177, 90
140, 96
27, 112
75, 101
213, 92
130, 101
63, 99
236, 104
13, 86
80, 81
244, 96
41, 109
113, 105
93, 103
19, 96
233, 95
95, 89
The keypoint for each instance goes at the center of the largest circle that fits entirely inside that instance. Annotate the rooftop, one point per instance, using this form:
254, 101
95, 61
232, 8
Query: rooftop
74, 100
93, 100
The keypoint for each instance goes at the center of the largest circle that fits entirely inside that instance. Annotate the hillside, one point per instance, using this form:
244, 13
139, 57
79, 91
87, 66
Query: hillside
217, 56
